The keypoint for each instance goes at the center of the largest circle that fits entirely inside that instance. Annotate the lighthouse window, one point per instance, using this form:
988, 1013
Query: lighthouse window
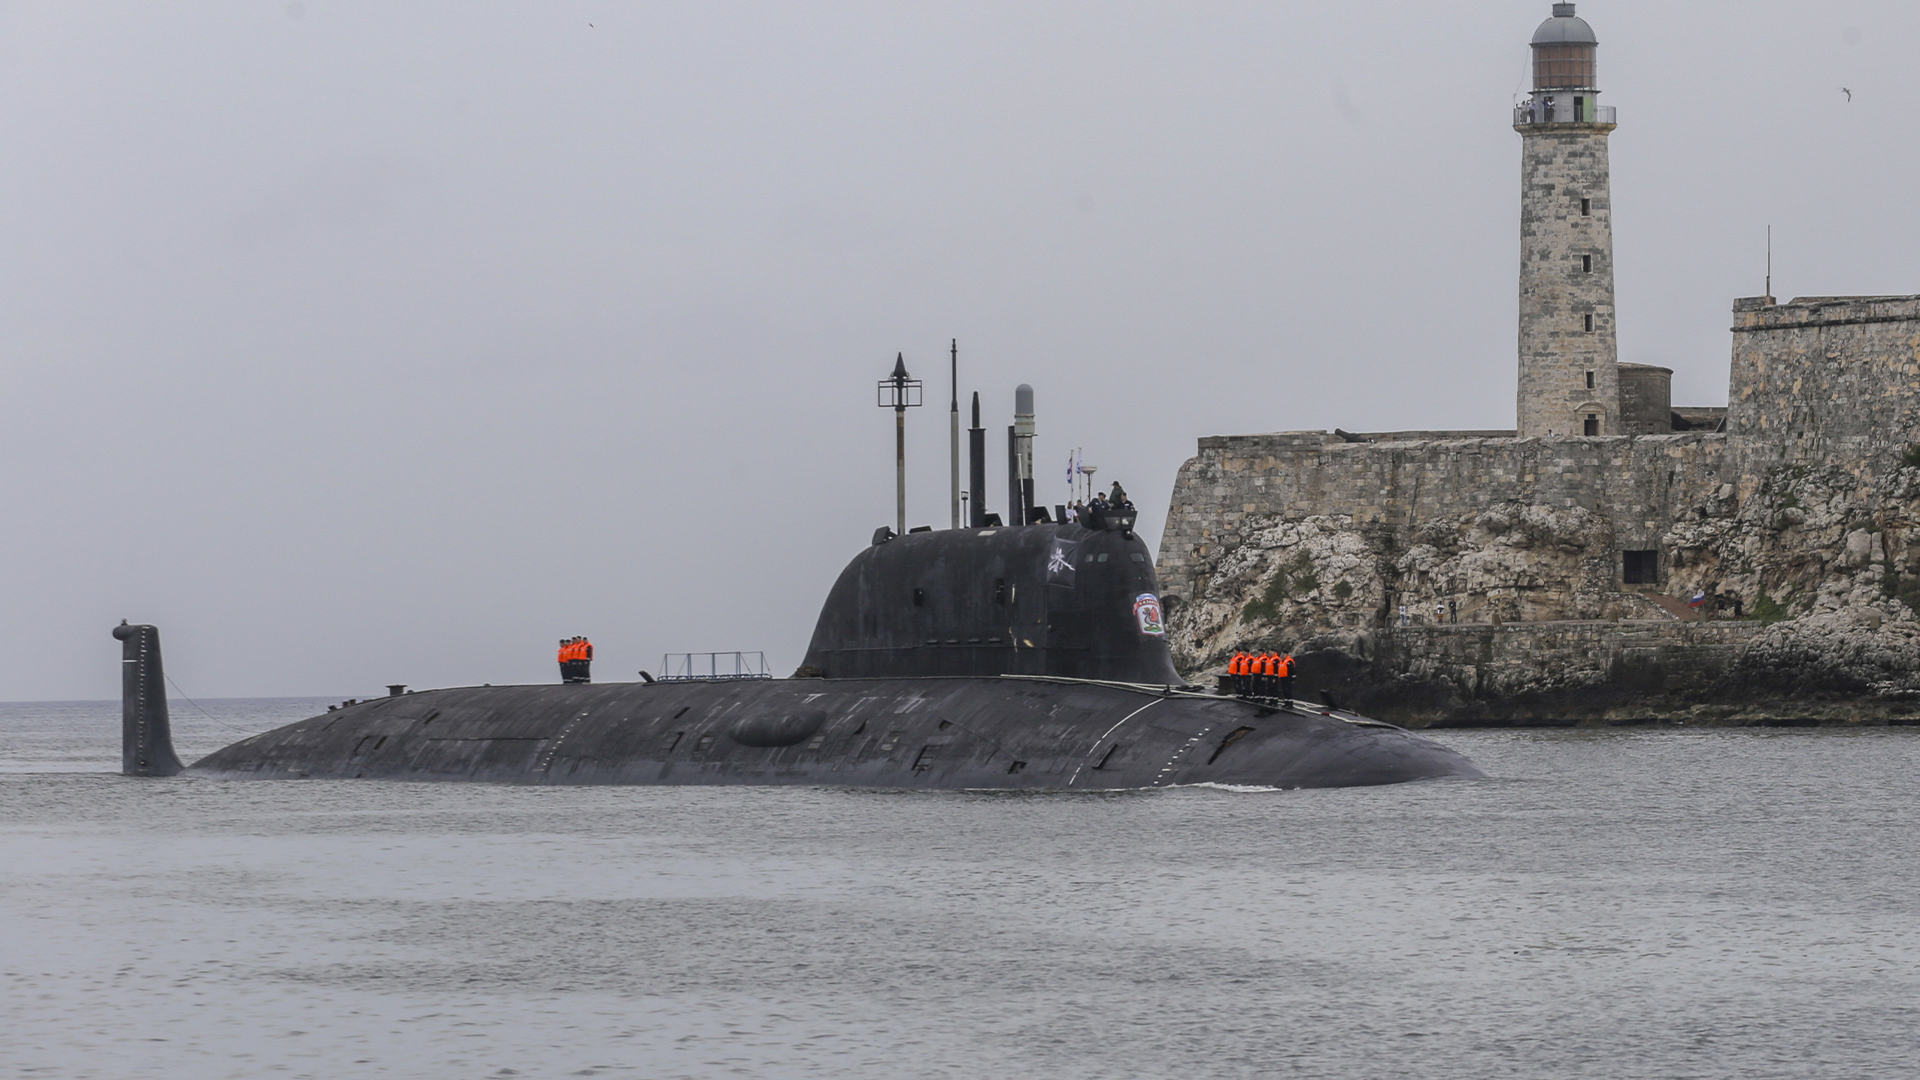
1593, 424
1589, 380
1589, 324
1586, 207
1586, 264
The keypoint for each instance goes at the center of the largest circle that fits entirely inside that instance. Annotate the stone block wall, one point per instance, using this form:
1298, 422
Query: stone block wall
1237, 483
1826, 381
1646, 399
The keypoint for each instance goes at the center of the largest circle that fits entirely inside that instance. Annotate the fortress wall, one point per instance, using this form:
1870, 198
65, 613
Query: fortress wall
1825, 381
1638, 485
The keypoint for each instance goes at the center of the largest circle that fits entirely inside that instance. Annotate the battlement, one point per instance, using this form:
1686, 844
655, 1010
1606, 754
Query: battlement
1280, 442
1757, 313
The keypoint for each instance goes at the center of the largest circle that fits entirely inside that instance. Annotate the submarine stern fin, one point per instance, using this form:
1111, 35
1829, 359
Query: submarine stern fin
146, 735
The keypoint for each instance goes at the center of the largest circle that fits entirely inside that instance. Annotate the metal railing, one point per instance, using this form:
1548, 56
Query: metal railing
681, 667
1536, 112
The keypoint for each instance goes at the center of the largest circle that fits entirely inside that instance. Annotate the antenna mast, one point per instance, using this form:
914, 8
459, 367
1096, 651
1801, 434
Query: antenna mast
899, 392
954, 432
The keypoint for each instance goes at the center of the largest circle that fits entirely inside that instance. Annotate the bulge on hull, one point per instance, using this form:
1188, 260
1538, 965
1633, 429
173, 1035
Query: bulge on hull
1023, 657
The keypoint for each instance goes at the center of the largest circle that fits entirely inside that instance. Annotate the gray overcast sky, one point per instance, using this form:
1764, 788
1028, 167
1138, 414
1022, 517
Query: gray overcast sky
364, 342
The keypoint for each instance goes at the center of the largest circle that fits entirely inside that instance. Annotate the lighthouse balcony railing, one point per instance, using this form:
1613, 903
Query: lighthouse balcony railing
1539, 112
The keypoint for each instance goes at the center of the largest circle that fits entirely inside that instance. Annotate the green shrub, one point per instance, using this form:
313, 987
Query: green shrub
1290, 580
1768, 610
1902, 587
1343, 591
1911, 459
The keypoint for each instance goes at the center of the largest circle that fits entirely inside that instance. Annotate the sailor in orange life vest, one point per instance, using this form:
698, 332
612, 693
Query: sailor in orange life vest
576, 660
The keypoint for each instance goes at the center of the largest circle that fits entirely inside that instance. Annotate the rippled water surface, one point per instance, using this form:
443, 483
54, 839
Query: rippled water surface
1712, 903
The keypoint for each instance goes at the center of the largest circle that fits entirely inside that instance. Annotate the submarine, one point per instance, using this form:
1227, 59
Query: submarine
1026, 656
996, 657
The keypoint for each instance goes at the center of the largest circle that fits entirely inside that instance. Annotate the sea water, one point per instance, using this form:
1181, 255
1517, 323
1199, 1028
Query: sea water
1611, 903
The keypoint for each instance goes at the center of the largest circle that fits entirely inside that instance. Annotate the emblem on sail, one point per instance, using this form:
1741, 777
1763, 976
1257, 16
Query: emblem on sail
1146, 611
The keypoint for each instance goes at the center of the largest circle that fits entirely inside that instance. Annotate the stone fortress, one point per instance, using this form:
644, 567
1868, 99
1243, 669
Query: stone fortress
1613, 556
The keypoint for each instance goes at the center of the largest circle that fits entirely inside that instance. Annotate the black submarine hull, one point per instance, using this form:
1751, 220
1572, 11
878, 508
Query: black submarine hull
995, 732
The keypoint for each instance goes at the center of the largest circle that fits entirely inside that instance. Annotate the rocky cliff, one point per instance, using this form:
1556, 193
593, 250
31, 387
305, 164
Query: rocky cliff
1809, 579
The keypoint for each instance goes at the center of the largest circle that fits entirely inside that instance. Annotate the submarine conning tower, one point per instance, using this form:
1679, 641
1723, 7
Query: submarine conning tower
1051, 599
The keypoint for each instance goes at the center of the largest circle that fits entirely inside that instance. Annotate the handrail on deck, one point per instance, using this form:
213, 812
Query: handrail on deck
681, 667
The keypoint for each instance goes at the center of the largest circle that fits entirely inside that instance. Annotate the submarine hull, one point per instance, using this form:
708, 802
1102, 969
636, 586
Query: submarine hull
1006, 732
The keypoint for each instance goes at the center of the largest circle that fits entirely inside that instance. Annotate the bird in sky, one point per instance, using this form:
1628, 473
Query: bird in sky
1849, 94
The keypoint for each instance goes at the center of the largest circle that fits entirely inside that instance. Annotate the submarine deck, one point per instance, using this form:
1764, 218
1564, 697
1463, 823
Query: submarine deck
991, 732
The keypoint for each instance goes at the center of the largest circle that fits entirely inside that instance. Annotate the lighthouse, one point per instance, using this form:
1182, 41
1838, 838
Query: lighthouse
1569, 363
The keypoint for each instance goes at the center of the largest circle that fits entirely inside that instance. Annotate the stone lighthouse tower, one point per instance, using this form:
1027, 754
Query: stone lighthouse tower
1569, 375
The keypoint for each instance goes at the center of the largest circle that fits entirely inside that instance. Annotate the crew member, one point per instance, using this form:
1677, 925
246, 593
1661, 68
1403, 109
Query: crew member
1264, 668
1237, 673
576, 660
1286, 676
